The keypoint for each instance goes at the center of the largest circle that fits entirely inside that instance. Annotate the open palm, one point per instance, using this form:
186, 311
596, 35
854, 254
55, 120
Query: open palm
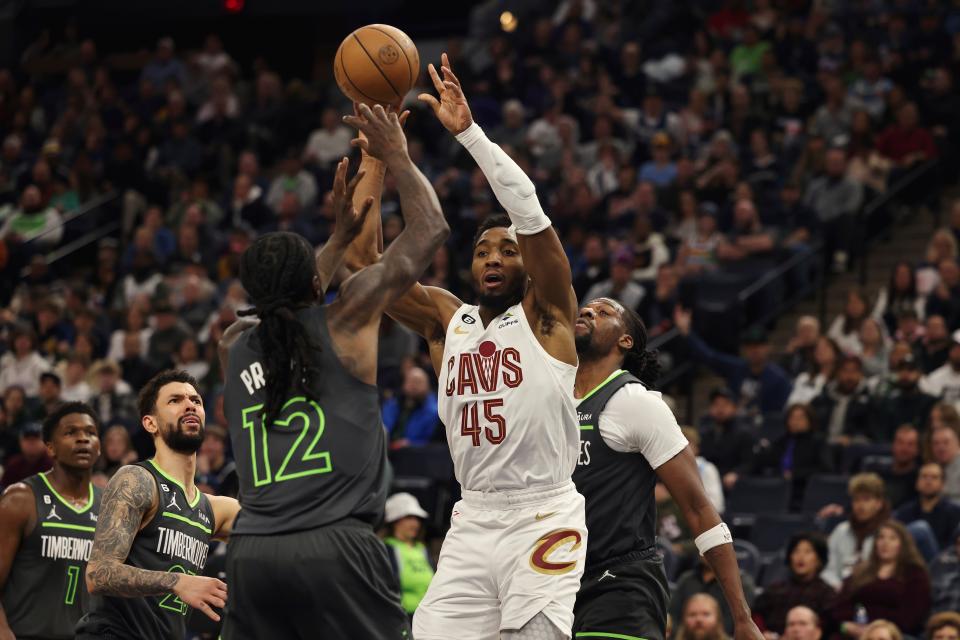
451, 109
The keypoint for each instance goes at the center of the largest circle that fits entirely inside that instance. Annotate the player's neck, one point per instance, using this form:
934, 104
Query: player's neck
70, 483
182, 467
592, 372
488, 313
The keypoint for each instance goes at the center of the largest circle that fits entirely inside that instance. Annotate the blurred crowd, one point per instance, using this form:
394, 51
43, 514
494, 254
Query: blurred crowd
675, 145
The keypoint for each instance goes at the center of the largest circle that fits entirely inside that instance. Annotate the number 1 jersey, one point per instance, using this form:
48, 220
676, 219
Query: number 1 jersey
507, 404
323, 458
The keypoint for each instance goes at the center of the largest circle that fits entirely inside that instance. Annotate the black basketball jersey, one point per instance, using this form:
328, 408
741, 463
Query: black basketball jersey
46, 592
322, 459
177, 539
617, 487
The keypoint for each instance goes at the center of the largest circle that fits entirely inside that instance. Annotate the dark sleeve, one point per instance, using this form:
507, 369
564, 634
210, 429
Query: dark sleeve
728, 366
780, 386
843, 607
915, 602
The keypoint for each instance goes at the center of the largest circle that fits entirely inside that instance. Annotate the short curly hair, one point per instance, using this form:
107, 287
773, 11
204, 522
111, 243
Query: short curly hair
940, 620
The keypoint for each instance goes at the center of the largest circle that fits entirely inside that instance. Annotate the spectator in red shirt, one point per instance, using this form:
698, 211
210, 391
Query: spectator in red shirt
892, 584
907, 143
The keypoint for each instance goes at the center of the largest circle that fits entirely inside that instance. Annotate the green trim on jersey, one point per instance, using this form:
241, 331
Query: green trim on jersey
601, 634
176, 516
601, 386
46, 481
177, 482
61, 525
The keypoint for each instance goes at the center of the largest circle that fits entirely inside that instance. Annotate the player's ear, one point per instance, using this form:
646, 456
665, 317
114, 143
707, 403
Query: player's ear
626, 342
149, 424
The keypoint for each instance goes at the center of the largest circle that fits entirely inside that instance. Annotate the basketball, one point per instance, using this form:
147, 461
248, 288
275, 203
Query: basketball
376, 64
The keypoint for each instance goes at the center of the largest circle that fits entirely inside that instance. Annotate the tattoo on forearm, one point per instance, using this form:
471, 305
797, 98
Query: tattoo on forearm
129, 495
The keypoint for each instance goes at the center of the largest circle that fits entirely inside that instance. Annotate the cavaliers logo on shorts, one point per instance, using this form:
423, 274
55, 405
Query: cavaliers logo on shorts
548, 544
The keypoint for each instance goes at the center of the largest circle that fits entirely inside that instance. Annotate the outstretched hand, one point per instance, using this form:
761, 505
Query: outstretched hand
451, 109
349, 221
382, 130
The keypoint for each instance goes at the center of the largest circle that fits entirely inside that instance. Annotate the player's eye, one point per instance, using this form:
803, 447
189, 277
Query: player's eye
604, 313
481, 254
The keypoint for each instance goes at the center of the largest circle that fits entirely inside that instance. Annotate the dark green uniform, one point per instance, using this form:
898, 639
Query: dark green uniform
46, 592
624, 587
176, 539
312, 485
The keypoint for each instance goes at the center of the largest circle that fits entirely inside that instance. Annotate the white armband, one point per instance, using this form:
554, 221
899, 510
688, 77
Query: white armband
514, 190
714, 537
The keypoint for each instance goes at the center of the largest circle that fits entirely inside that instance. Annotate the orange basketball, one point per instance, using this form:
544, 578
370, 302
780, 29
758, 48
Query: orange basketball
376, 64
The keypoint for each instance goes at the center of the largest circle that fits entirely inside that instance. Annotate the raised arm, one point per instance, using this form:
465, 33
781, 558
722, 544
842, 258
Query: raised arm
543, 254
225, 512
682, 480
129, 497
229, 337
16, 513
351, 215
366, 295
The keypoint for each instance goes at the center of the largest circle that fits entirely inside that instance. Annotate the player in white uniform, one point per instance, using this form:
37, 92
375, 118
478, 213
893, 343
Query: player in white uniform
511, 563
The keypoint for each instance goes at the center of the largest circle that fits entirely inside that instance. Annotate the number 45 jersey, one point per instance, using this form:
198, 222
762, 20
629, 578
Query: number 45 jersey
322, 458
507, 405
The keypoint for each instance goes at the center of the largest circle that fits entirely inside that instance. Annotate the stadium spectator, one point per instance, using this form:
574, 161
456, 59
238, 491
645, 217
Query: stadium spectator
135, 323
944, 626
944, 300
900, 477
944, 382
411, 563
32, 222
904, 404
931, 506
23, 365
133, 366
761, 386
881, 630
75, 385
691, 602
698, 253
799, 354
293, 179
900, 295
835, 199
33, 457
945, 450
164, 67
810, 383
50, 394
803, 623
329, 143
216, 472
942, 246
844, 407
905, 142
117, 450
649, 250
169, 331
845, 328
798, 454
112, 399
620, 285
724, 439
852, 540
934, 349
945, 576
748, 238
806, 556
873, 348
709, 475
410, 417
892, 584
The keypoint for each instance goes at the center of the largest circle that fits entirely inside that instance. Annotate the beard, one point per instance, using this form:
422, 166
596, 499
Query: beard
180, 441
503, 300
584, 344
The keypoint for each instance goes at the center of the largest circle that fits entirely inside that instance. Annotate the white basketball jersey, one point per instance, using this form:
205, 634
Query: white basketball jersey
507, 404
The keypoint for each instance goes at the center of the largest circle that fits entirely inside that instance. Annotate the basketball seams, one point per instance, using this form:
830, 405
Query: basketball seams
402, 50
353, 84
374, 62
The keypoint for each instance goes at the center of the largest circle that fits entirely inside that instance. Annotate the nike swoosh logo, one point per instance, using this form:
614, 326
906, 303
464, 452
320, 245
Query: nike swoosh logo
544, 516
460, 331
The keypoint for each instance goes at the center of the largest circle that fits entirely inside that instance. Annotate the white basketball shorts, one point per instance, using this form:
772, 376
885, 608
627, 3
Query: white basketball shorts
507, 557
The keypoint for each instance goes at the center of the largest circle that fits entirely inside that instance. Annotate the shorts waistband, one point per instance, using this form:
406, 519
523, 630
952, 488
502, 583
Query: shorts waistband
517, 498
647, 553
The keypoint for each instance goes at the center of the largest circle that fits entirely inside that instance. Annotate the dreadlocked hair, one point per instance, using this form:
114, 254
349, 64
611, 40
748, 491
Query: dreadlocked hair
277, 271
639, 361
